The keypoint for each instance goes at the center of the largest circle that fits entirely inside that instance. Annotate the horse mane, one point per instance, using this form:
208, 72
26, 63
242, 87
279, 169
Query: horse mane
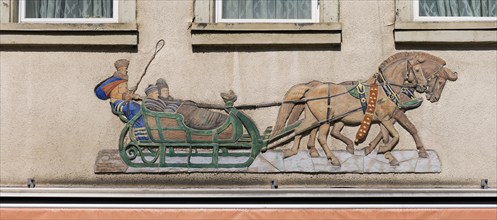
405, 55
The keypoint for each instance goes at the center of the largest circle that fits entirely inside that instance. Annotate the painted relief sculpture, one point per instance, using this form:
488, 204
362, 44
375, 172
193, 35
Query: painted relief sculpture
163, 134
121, 98
337, 104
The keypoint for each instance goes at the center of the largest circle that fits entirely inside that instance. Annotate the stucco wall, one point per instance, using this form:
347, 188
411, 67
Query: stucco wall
53, 126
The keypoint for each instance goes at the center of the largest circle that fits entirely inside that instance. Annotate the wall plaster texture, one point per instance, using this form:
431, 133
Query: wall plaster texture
53, 126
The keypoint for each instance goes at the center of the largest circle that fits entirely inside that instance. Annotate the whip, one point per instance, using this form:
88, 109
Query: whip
158, 47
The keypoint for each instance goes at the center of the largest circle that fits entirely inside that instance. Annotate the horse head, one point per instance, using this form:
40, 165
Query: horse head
415, 74
403, 71
434, 71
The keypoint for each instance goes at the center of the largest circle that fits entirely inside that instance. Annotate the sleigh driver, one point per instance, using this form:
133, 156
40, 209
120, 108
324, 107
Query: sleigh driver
122, 100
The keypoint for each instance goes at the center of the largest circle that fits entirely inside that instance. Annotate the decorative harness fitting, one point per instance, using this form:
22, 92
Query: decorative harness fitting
361, 91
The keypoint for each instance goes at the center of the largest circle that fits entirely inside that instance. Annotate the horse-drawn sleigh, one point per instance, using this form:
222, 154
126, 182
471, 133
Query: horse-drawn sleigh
234, 144
383, 99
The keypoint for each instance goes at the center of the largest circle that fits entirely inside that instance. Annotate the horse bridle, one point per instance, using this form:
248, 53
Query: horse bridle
406, 83
434, 75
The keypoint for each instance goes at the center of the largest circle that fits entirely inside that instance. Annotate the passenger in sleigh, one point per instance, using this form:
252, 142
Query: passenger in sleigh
121, 98
194, 117
152, 102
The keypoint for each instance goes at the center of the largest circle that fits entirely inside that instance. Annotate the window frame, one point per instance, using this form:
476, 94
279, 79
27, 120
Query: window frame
415, 33
114, 19
207, 32
315, 10
417, 17
120, 35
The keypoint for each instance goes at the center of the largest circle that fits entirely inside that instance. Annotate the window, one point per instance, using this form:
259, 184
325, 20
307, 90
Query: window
465, 23
68, 11
54, 23
247, 23
455, 10
269, 11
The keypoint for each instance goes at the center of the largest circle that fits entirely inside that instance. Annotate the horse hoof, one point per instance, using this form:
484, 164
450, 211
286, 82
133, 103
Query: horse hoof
394, 163
423, 154
314, 153
288, 153
334, 162
350, 149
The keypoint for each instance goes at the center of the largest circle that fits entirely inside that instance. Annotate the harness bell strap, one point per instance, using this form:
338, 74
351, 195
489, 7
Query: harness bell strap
368, 116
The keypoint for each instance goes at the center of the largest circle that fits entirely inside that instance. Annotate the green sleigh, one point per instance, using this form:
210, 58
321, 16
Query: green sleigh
234, 144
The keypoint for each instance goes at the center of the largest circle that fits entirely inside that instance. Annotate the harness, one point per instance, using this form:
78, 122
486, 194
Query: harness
328, 106
371, 104
361, 91
387, 88
395, 97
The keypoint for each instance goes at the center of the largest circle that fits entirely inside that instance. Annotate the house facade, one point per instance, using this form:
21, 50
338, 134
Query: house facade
52, 57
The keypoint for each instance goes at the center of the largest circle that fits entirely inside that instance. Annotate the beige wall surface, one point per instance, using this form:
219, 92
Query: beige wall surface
53, 126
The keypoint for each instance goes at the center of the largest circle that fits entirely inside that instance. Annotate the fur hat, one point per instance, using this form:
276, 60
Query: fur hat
161, 83
121, 63
151, 88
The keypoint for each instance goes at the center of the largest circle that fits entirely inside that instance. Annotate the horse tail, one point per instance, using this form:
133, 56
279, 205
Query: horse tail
283, 113
295, 114
290, 111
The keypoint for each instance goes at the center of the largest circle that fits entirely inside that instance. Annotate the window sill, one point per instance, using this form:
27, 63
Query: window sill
120, 34
246, 34
446, 32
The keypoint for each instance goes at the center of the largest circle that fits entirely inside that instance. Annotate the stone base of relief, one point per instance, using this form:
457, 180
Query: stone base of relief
108, 161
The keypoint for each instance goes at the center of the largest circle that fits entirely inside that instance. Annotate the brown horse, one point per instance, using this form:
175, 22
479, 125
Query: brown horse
436, 74
423, 64
338, 106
